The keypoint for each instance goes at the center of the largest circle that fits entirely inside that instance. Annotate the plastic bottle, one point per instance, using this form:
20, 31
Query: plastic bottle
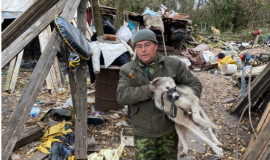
35, 111
239, 64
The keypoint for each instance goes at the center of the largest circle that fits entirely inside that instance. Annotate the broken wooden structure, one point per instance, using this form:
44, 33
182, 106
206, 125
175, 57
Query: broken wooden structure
259, 88
259, 148
23, 30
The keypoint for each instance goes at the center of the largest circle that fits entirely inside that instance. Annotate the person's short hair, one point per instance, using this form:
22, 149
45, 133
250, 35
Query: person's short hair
144, 35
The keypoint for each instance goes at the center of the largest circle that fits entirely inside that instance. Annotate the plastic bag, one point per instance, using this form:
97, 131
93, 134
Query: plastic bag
124, 33
228, 60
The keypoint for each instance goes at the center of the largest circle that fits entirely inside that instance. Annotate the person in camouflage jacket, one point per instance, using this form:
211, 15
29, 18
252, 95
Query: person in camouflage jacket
154, 139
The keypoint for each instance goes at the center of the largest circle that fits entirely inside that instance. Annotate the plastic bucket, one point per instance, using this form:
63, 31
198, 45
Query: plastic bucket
228, 68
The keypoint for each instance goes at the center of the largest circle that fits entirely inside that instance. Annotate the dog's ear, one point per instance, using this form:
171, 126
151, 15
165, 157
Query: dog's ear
155, 81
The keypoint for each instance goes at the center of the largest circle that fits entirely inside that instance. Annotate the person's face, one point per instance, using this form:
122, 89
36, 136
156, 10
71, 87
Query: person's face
146, 51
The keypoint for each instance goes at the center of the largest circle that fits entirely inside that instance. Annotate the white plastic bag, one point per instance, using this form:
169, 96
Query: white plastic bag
124, 33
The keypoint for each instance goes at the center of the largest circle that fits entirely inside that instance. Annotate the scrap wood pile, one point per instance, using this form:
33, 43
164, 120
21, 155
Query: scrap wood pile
259, 145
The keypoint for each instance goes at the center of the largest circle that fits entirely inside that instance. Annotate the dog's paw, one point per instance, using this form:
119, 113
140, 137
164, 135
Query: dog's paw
218, 151
182, 154
218, 143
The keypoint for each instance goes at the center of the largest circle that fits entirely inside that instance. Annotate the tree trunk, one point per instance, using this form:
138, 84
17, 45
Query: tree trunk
119, 19
97, 20
81, 94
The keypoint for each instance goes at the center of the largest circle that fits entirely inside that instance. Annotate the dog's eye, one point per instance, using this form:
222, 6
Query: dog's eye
167, 87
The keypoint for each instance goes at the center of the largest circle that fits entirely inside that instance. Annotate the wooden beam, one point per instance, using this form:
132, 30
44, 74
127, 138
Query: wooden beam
43, 40
19, 116
258, 86
15, 72
10, 73
13, 49
57, 72
266, 155
89, 32
265, 119
30, 136
265, 152
259, 144
22, 23
81, 93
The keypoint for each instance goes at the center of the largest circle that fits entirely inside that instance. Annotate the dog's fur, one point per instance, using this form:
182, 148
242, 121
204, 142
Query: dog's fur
215, 31
186, 99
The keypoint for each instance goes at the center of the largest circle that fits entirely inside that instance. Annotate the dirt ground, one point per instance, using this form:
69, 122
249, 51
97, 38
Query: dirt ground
216, 89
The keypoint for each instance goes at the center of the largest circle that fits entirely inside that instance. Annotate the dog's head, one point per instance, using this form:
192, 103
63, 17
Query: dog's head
212, 28
165, 84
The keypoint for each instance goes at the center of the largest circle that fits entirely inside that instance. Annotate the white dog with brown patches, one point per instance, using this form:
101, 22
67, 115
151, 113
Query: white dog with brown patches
166, 94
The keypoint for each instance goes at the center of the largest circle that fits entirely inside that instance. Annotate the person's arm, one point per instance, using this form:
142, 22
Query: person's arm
186, 77
128, 95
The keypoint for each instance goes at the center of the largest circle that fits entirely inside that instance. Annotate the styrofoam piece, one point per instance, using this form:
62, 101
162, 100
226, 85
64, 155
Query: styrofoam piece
127, 137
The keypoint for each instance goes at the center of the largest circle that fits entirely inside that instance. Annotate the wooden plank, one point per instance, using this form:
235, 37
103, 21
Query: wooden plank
54, 81
266, 155
43, 40
10, 73
13, 49
21, 24
19, 116
61, 74
250, 147
57, 72
89, 32
49, 83
19, 21
30, 136
37, 156
80, 150
259, 144
264, 151
265, 118
258, 86
261, 126
15, 72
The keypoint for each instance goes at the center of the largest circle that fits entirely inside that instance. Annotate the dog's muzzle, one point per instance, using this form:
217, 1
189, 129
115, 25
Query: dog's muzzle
172, 95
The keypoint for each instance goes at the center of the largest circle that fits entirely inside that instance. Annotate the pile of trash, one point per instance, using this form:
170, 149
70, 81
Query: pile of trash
227, 62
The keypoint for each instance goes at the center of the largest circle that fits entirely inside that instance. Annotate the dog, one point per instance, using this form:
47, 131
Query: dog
182, 106
215, 31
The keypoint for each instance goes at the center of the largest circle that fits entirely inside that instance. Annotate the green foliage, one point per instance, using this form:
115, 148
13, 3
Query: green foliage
229, 16
265, 33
